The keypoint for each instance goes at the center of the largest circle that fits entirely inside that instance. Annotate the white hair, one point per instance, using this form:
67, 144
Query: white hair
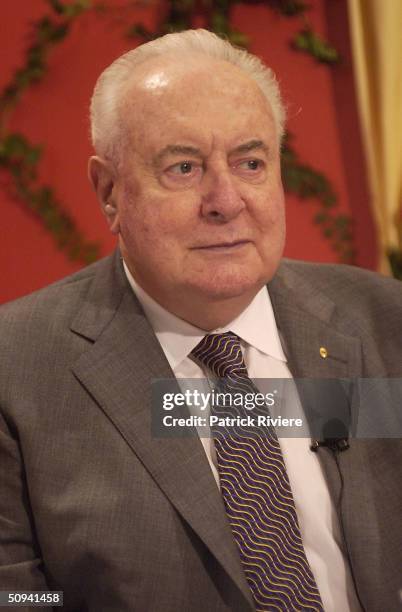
105, 103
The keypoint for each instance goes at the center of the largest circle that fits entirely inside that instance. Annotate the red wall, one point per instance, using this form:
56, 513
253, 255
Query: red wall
55, 113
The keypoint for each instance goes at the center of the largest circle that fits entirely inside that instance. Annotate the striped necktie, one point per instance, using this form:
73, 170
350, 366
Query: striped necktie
257, 494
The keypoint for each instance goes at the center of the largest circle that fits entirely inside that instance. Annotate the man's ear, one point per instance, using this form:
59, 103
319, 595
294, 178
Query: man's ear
101, 176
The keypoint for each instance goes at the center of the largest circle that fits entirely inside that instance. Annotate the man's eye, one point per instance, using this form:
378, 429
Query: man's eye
251, 164
185, 173
185, 167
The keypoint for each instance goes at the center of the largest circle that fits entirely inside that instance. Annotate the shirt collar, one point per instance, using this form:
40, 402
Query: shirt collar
255, 325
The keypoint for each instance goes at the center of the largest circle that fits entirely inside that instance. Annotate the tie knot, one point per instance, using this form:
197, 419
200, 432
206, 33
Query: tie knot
222, 355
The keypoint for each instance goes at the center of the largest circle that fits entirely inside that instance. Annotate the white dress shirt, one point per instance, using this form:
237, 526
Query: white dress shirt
265, 358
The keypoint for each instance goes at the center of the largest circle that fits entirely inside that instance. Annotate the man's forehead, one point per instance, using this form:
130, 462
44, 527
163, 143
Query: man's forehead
206, 134
161, 72
193, 103
174, 83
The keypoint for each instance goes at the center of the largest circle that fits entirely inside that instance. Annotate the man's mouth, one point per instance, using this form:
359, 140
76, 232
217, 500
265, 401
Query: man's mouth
217, 246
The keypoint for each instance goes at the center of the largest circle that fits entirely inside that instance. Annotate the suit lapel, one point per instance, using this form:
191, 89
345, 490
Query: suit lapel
117, 371
309, 322
317, 348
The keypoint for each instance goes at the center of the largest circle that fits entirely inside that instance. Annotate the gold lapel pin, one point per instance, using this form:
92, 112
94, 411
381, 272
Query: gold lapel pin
323, 352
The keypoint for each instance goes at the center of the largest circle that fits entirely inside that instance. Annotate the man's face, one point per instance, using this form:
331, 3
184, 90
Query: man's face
199, 196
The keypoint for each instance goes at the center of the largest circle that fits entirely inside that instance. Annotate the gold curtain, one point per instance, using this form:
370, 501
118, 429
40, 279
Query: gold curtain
376, 34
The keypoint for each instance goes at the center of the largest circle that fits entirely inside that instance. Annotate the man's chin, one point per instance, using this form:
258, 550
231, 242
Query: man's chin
228, 288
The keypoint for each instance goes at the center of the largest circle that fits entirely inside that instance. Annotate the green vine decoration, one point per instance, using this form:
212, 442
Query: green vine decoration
47, 32
289, 8
216, 15
20, 159
307, 40
306, 182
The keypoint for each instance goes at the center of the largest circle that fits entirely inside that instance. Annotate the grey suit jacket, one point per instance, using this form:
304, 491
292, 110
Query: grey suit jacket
92, 504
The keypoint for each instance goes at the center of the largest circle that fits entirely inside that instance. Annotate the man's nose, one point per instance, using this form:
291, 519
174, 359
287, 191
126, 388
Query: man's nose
221, 198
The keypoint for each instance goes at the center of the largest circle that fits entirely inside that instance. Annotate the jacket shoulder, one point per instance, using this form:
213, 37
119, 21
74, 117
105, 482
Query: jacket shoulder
57, 296
339, 279
371, 301
44, 317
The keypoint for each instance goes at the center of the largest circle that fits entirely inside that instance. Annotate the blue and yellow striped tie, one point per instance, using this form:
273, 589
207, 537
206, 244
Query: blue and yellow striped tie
257, 494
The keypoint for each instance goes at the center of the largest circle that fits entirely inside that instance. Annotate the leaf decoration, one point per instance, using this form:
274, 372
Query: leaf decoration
20, 159
306, 182
307, 40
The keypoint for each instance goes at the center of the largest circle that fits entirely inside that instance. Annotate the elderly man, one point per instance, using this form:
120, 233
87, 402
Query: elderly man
187, 134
